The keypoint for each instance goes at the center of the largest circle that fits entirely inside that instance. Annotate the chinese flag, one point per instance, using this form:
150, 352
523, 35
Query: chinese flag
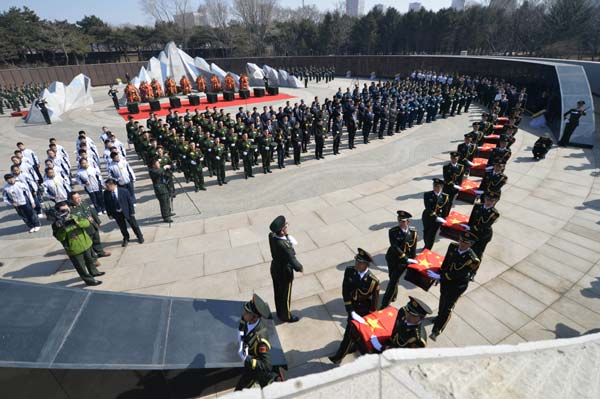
479, 163
503, 120
487, 147
468, 186
417, 273
498, 127
380, 324
454, 220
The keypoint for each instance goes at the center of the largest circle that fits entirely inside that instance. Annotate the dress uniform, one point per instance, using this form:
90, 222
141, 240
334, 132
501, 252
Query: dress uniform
541, 147
459, 267
160, 181
408, 329
483, 216
493, 181
360, 290
336, 130
437, 207
573, 115
454, 173
319, 132
246, 153
466, 152
219, 158
283, 265
499, 154
195, 158
254, 345
402, 250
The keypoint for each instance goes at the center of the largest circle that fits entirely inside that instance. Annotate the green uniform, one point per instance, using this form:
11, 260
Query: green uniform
220, 154
160, 180
247, 154
78, 245
85, 211
195, 166
283, 265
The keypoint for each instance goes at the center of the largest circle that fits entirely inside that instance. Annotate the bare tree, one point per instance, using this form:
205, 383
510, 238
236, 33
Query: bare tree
171, 11
256, 17
217, 12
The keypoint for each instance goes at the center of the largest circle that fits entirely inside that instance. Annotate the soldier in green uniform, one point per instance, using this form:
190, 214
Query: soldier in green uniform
266, 151
246, 153
195, 159
160, 181
254, 347
70, 231
437, 207
219, 158
483, 216
459, 267
402, 251
360, 290
283, 265
83, 210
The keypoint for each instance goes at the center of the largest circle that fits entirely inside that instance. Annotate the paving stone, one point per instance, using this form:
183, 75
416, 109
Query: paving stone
339, 212
304, 222
322, 258
507, 251
307, 205
227, 259
567, 258
539, 291
333, 233
220, 223
162, 251
588, 319
515, 231
554, 266
247, 235
373, 202
215, 286
462, 334
156, 273
575, 249
500, 308
375, 241
543, 276
370, 187
561, 325
203, 243
181, 230
380, 219
534, 331
519, 299
530, 218
586, 298
264, 216
341, 196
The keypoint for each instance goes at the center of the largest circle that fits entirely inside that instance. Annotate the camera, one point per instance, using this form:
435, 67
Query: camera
59, 218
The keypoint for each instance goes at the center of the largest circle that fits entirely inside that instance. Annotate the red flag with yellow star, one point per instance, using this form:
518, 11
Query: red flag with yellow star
503, 120
417, 273
468, 186
380, 324
486, 150
452, 229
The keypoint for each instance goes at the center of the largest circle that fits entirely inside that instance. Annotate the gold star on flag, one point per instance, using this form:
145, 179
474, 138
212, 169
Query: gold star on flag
424, 262
374, 324
454, 221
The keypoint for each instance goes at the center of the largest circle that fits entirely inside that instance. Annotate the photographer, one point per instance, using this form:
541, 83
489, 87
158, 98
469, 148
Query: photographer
83, 210
70, 230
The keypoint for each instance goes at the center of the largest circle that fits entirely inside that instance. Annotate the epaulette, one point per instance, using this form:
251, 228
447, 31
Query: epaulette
412, 228
373, 276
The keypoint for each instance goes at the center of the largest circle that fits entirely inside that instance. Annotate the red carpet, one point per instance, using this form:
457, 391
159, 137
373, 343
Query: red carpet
185, 105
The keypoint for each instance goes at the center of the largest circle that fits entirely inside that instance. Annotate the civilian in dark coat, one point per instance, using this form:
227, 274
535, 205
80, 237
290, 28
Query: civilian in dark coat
119, 205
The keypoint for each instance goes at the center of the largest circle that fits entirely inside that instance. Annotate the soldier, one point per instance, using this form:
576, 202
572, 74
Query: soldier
351, 127
541, 147
219, 158
466, 153
483, 216
254, 347
113, 93
195, 159
437, 207
280, 143
493, 181
336, 130
459, 267
360, 290
296, 139
453, 176
283, 265
160, 176
83, 210
266, 151
320, 132
402, 251
408, 329
499, 154
246, 153
367, 124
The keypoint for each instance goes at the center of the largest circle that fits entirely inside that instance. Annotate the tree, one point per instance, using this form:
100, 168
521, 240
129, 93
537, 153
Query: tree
64, 37
96, 29
256, 17
21, 33
171, 11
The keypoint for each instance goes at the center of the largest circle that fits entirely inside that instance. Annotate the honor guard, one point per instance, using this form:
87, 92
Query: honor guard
437, 207
254, 347
499, 154
483, 216
402, 251
360, 290
493, 181
454, 173
283, 265
459, 267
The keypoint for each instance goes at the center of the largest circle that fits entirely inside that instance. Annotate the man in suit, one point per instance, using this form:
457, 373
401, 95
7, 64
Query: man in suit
119, 205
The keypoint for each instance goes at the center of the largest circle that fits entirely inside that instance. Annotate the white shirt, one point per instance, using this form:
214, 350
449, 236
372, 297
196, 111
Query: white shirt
57, 188
60, 166
363, 273
90, 178
61, 152
17, 194
28, 181
252, 326
30, 156
121, 171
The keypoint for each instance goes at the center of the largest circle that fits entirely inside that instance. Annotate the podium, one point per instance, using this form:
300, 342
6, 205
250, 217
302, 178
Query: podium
194, 100
133, 108
273, 91
212, 98
154, 105
175, 102
228, 95
259, 92
244, 93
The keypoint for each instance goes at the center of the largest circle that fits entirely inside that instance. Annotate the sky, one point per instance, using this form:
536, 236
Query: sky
117, 12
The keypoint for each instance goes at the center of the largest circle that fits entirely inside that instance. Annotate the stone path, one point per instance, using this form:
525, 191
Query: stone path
540, 277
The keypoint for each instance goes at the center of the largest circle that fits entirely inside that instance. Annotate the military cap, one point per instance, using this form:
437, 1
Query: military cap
475, 124
501, 162
438, 182
469, 135
469, 237
492, 196
278, 224
580, 102
503, 137
454, 154
363, 256
417, 307
8, 176
257, 307
403, 215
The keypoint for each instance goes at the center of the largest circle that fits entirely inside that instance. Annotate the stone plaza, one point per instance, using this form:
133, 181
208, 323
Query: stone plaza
539, 279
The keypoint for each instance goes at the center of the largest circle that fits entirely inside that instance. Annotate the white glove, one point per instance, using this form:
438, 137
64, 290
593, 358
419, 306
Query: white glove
412, 261
193, 162
356, 317
218, 158
184, 157
376, 343
489, 168
478, 192
245, 153
466, 226
292, 240
232, 145
470, 163
440, 220
210, 149
256, 150
433, 274
267, 148
243, 354
201, 159
457, 187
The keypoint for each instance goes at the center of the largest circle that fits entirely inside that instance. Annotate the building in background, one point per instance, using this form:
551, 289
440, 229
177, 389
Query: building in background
191, 19
416, 6
458, 5
355, 8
